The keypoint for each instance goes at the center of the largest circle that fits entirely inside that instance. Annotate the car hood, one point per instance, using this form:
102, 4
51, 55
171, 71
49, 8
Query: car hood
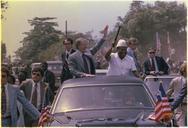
107, 117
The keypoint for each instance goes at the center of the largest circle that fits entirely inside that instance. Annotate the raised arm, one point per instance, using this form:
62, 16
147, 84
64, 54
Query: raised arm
100, 43
108, 53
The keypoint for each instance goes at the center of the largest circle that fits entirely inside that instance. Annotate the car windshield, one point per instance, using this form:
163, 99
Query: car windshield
103, 96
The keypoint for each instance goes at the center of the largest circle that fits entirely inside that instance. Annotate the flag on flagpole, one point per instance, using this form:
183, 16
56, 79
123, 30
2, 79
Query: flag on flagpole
162, 110
158, 44
45, 115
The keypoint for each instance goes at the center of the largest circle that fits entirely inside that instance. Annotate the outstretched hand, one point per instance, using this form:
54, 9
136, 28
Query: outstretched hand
104, 31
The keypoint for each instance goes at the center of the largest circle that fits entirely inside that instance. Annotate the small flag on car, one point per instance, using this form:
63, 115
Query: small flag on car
163, 110
45, 115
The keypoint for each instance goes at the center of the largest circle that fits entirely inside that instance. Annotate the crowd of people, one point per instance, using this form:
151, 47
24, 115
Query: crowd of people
35, 89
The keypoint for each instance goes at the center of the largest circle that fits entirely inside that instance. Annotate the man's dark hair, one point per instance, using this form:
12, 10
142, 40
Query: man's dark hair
44, 63
37, 69
5, 70
68, 39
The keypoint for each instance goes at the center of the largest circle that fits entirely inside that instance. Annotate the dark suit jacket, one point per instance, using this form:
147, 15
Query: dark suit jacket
26, 87
179, 99
14, 95
65, 73
49, 78
162, 65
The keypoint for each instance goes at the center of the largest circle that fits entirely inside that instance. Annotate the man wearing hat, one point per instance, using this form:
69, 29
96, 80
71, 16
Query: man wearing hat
120, 63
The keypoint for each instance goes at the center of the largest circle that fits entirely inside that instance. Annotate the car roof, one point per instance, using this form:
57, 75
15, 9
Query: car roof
163, 76
101, 80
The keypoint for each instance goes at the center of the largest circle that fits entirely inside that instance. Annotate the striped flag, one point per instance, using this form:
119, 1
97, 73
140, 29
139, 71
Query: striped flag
163, 110
45, 115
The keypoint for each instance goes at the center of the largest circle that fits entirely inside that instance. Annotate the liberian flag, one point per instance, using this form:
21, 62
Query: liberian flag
163, 110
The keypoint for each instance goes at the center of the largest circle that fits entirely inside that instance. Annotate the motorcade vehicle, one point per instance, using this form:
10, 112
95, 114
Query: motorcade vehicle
103, 101
153, 82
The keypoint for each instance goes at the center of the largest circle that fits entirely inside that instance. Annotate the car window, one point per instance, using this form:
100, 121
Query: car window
102, 96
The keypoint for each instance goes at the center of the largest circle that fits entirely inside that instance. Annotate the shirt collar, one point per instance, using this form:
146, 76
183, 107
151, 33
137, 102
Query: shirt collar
117, 56
68, 52
33, 83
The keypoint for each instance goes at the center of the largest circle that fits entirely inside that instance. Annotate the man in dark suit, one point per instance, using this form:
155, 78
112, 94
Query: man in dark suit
10, 94
65, 74
49, 78
155, 65
81, 63
36, 92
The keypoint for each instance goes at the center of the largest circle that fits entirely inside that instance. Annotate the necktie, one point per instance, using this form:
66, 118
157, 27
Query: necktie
84, 57
34, 97
153, 64
67, 56
3, 101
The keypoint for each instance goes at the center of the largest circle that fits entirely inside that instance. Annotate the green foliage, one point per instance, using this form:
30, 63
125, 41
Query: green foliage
4, 7
40, 38
144, 20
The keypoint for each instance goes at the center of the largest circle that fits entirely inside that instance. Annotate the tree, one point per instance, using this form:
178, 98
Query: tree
40, 38
4, 7
144, 20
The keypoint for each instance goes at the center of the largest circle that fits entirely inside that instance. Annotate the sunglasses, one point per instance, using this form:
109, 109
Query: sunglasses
67, 43
151, 52
36, 74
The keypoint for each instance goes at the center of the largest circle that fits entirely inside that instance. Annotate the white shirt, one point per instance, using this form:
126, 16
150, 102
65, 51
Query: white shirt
38, 94
119, 66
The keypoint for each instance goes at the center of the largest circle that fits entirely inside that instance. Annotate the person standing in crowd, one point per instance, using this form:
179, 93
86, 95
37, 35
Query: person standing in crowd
131, 51
68, 46
81, 63
120, 63
49, 78
174, 88
27, 70
21, 77
10, 94
36, 92
179, 101
155, 65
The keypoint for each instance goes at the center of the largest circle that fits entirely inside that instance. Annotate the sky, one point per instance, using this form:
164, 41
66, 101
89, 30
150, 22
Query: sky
82, 16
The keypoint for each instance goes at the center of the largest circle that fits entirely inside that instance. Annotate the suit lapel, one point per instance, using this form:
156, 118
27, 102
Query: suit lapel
80, 61
29, 90
42, 90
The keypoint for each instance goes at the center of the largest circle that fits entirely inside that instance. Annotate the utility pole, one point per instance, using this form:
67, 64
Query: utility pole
66, 28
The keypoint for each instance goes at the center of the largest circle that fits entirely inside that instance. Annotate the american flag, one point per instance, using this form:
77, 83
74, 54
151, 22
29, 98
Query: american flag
163, 110
45, 115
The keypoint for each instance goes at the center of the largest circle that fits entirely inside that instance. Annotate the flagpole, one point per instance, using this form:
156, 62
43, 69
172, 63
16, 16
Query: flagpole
66, 28
158, 44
